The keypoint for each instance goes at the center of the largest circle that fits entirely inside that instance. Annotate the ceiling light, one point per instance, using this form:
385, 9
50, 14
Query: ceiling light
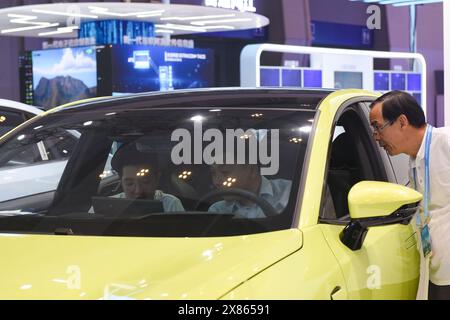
219, 27
30, 28
164, 31
106, 12
61, 30
198, 17
202, 23
180, 27
24, 19
67, 14
415, 3
151, 14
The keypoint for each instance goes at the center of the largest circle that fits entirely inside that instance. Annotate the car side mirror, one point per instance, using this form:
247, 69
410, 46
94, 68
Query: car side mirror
374, 203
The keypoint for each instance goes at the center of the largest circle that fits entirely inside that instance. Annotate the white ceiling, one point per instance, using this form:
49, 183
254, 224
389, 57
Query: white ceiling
60, 20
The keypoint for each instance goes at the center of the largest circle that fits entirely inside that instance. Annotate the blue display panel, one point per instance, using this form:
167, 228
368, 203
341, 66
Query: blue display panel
113, 31
269, 77
398, 81
414, 82
381, 81
312, 78
64, 75
291, 78
347, 80
147, 68
341, 35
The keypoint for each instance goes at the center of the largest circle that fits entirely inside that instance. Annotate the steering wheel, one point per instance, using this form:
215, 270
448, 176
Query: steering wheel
265, 206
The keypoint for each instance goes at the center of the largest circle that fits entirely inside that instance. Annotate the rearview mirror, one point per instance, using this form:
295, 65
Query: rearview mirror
374, 203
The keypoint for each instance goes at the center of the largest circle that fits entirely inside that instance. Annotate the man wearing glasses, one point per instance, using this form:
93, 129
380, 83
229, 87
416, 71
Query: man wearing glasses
399, 126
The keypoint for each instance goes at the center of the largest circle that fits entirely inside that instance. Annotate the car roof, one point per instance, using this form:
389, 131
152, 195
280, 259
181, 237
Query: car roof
182, 95
186, 93
10, 104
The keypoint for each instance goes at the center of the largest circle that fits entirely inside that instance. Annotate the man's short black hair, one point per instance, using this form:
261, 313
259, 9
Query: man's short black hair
395, 103
128, 155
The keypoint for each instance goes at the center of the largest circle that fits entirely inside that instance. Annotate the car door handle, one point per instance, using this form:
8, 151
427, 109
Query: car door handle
337, 293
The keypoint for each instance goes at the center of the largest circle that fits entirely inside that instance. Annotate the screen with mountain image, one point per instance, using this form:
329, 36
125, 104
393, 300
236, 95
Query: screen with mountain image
64, 75
149, 68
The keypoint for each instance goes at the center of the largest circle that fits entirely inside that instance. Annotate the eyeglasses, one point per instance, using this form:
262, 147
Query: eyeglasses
378, 129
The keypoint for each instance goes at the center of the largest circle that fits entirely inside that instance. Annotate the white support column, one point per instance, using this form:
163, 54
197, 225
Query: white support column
166, 36
446, 4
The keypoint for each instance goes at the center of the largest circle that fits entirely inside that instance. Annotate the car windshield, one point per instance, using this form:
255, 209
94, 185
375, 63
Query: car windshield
171, 172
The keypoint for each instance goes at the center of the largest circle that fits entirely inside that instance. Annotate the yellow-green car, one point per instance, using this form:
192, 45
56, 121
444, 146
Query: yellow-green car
210, 194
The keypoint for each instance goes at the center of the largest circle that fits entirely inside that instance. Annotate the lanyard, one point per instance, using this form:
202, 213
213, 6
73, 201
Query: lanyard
427, 177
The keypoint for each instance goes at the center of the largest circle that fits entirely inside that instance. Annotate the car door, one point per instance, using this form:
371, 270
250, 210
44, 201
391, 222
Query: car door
387, 265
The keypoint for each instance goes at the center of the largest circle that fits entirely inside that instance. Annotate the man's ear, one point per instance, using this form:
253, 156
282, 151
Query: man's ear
403, 120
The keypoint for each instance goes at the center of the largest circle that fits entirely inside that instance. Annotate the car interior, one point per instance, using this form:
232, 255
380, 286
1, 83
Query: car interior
83, 179
352, 158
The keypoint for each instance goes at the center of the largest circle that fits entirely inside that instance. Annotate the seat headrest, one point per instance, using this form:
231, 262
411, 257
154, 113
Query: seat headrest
343, 152
128, 154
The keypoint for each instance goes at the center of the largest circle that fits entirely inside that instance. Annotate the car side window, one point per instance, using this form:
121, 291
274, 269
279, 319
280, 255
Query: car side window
60, 147
52, 147
352, 158
396, 166
9, 120
32, 163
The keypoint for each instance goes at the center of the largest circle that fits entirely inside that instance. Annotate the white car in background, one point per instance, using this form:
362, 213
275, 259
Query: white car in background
21, 169
13, 113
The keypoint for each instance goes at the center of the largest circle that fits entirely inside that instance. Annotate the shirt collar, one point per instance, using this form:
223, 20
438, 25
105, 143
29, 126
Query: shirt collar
421, 153
266, 187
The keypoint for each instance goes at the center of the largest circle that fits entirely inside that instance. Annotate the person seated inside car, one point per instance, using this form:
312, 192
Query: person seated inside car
139, 177
248, 177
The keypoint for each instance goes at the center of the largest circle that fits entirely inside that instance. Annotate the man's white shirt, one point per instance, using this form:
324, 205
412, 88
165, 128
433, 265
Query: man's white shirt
439, 202
276, 192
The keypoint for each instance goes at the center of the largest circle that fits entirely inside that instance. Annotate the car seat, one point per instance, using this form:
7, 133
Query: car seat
343, 172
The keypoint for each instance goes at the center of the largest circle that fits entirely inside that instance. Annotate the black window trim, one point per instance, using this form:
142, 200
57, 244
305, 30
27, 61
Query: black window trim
380, 170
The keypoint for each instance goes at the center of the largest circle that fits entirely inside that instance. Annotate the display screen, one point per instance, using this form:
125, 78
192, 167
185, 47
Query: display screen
291, 78
348, 80
270, 77
148, 68
381, 81
312, 78
414, 82
64, 75
398, 81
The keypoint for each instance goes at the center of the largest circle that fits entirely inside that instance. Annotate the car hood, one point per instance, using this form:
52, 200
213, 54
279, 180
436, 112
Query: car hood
84, 267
